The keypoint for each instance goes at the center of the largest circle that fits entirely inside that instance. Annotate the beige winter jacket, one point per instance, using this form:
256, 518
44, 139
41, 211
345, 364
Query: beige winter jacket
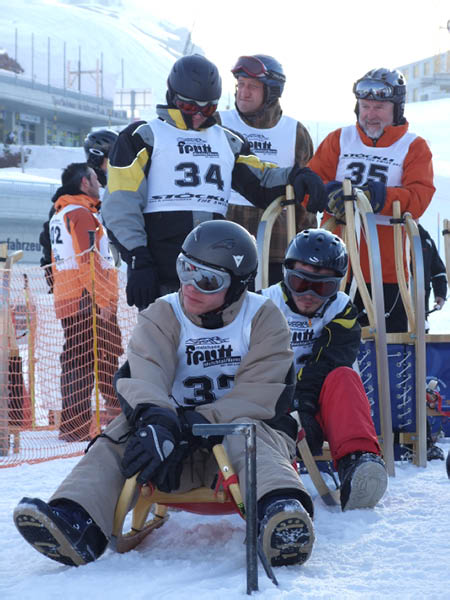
259, 392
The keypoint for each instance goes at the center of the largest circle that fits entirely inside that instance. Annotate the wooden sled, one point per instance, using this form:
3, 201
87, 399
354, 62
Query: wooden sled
202, 500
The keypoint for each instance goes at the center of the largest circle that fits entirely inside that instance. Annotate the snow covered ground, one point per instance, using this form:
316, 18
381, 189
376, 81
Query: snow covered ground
399, 550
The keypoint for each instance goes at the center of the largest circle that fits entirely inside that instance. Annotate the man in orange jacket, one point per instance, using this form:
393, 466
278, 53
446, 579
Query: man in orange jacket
76, 215
388, 162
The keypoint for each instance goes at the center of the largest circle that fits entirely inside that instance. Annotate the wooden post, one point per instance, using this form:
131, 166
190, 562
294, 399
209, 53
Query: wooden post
6, 263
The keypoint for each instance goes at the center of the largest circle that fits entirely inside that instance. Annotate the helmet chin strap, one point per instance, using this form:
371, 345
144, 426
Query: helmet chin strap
213, 319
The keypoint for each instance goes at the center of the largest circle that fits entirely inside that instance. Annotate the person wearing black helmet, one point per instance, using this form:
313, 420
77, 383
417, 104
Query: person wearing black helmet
177, 170
388, 163
325, 337
97, 146
272, 136
211, 353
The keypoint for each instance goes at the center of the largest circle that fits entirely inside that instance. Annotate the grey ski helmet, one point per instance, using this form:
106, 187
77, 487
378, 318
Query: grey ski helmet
319, 248
101, 141
395, 90
196, 78
266, 69
227, 246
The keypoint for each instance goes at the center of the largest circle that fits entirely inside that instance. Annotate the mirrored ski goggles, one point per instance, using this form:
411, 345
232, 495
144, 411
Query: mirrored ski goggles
207, 280
375, 90
192, 107
300, 282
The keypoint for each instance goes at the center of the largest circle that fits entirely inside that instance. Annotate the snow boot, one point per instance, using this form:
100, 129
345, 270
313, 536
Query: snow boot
286, 533
435, 453
62, 530
363, 480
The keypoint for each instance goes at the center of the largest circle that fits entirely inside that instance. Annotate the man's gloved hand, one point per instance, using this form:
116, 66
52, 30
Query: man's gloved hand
376, 194
142, 284
146, 450
313, 431
374, 190
335, 200
189, 417
168, 476
305, 182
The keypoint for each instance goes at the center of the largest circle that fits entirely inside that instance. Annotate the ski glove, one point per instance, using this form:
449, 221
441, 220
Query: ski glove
374, 190
146, 450
305, 182
142, 284
313, 431
168, 476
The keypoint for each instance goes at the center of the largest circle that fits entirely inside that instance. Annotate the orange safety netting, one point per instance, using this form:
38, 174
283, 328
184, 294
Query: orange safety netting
56, 373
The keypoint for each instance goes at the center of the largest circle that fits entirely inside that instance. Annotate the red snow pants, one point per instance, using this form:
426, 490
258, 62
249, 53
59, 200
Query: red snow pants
344, 415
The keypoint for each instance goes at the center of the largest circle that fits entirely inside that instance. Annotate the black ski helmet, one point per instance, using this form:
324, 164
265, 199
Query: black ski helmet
394, 79
227, 246
319, 248
196, 78
101, 141
273, 79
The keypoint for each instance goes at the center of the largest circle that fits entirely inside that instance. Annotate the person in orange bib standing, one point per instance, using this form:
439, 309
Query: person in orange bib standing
76, 214
387, 162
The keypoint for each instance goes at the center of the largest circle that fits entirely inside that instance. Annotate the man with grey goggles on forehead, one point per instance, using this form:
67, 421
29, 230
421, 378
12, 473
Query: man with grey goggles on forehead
325, 337
389, 163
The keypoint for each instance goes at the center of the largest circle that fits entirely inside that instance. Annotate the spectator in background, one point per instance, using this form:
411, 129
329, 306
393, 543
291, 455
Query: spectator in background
97, 146
76, 214
273, 137
434, 272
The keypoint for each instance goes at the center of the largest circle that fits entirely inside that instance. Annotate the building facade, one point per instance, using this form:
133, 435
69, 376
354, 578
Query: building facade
428, 79
34, 113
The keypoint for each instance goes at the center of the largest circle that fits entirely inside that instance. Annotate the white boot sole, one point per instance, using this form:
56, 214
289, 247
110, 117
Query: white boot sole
367, 487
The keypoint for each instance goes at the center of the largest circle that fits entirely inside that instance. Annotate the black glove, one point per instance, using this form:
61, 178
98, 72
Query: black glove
305, 182
313, 431
157, 432
142, 284
147, 449
167, 477
189, 417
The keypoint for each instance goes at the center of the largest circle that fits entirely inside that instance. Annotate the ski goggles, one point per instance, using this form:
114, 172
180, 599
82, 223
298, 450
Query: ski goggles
300, 283
207, 280
376, 90
253, 67
192, 107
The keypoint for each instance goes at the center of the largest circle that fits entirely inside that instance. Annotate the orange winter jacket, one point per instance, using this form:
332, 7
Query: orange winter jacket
71, 269
414, 194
